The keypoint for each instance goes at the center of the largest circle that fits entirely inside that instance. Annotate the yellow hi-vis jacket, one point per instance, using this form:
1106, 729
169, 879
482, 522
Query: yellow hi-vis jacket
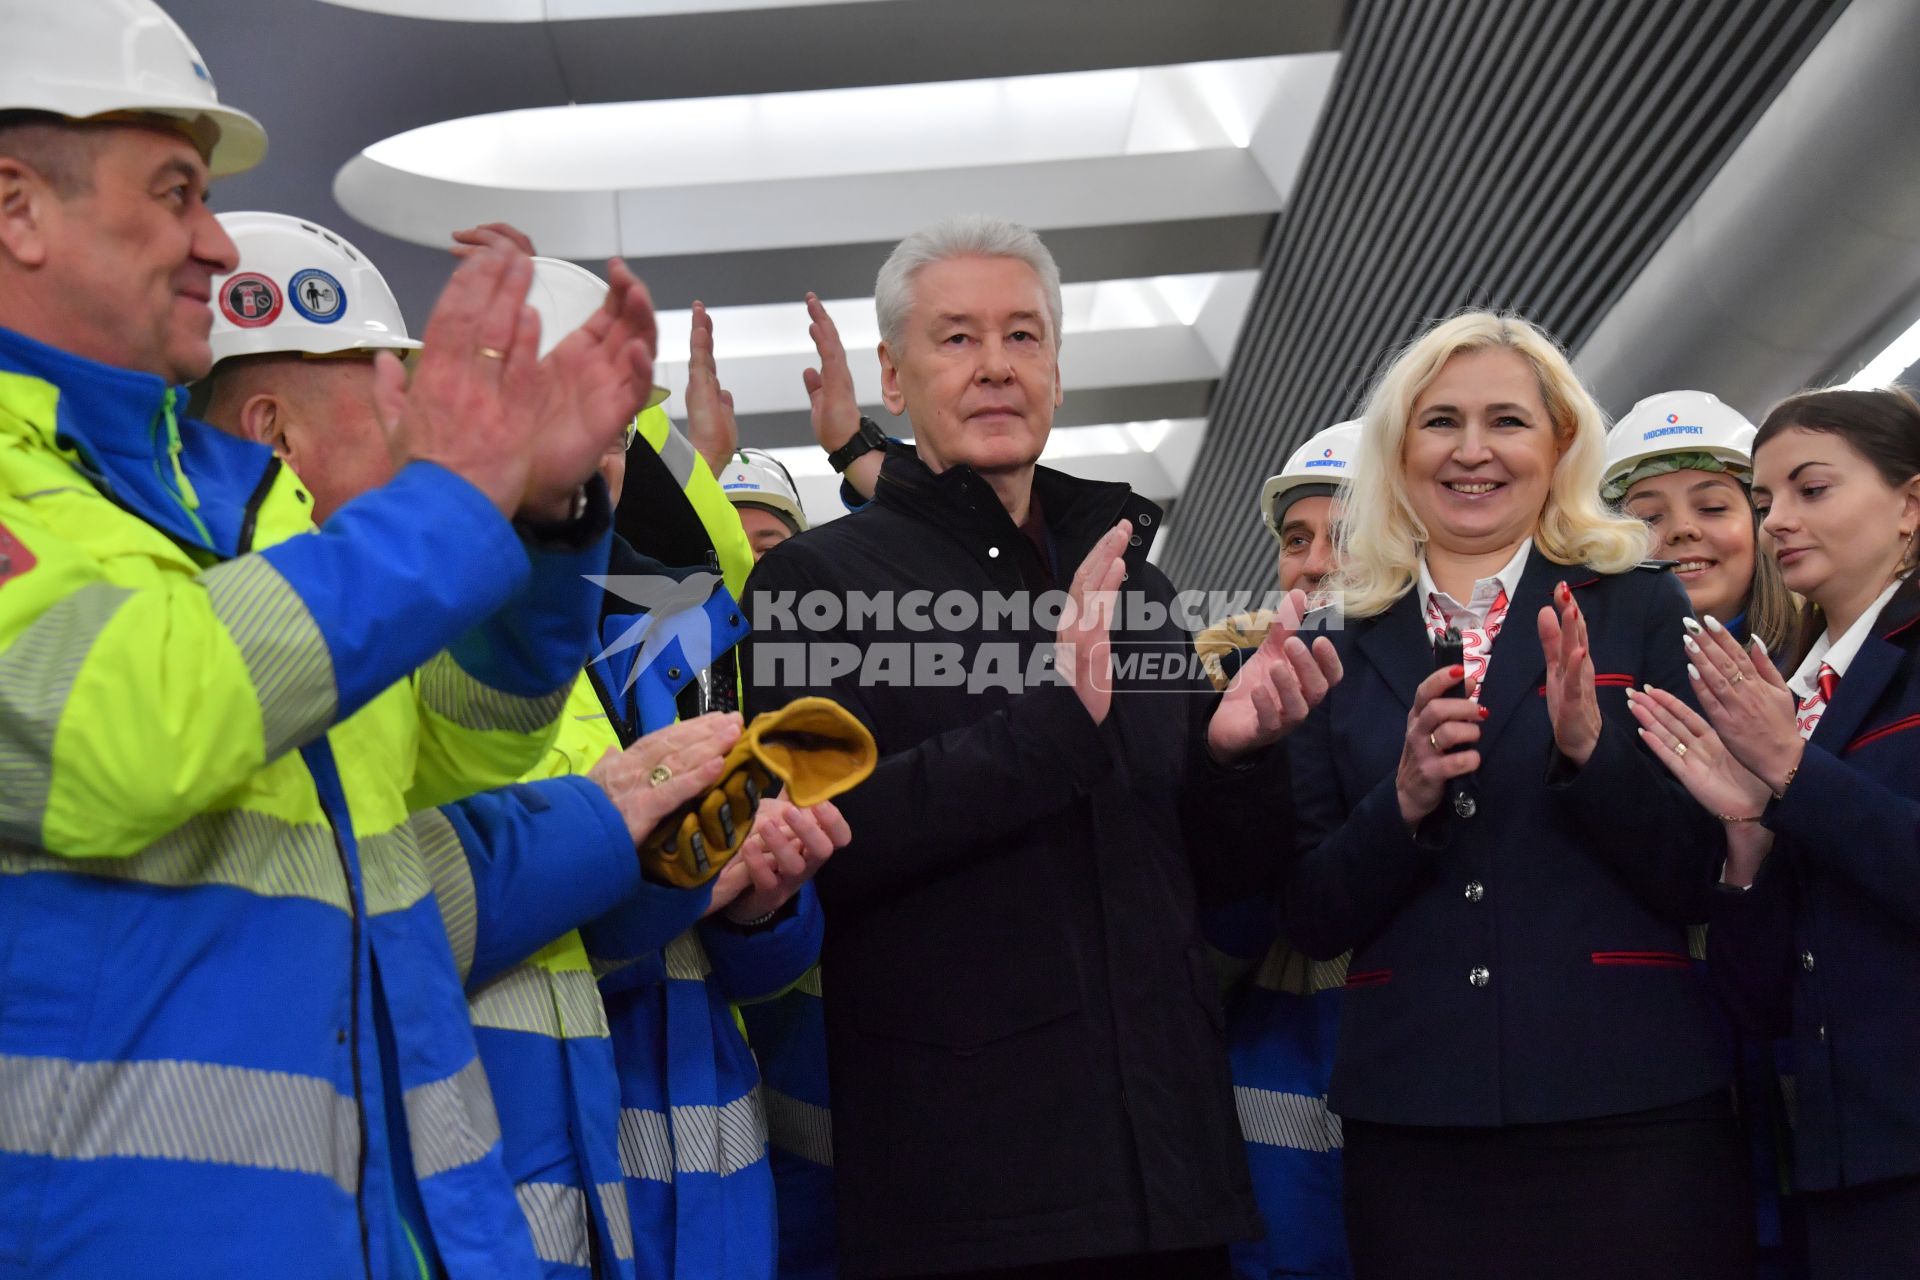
213, 905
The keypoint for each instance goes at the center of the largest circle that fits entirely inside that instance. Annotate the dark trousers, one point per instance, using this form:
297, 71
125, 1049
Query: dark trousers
1864, 1233
1654, 1196
1186, 1264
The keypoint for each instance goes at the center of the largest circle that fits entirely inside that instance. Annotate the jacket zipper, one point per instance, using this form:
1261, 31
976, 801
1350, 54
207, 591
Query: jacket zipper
353, 1048
254, 502
245, 546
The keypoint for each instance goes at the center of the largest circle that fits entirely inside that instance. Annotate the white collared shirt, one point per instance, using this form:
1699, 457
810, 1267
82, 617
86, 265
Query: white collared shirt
1838, 654
1480, 619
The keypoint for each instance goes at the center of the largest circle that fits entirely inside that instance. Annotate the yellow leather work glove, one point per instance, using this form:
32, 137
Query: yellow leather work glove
813, 747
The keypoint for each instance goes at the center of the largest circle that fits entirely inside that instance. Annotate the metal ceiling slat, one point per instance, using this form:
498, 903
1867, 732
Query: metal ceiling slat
1552, 146
1411, 215
1325, 293
1483, 150
1790, 29
1660, 109
1411, 291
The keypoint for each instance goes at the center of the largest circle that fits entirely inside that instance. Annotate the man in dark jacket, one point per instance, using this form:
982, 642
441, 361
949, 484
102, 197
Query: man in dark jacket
1023, 1030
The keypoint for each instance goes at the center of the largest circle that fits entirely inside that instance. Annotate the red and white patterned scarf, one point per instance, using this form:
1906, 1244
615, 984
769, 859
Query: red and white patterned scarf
1476, 635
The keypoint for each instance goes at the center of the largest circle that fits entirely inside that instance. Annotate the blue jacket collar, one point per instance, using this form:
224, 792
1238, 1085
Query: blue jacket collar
137, 447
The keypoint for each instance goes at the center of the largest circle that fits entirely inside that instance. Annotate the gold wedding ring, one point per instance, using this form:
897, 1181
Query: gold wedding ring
660, 774
1738, 676
490, 353
1434, 743
1680, 748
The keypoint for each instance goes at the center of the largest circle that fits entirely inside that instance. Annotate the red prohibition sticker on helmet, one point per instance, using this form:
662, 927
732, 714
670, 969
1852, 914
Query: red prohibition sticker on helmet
15, 559
250, 300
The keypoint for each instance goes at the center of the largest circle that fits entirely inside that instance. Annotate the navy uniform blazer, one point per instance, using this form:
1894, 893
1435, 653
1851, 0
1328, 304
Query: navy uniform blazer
1828, 940
1527, 964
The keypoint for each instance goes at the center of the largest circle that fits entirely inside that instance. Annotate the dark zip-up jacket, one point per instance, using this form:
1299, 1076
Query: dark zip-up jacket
1024, 1033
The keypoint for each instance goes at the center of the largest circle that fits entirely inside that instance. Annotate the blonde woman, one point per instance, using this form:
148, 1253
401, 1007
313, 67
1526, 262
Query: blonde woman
1528, 1071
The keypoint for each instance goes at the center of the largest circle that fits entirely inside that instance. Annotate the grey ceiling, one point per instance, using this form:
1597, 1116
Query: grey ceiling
327, 81
1477, 152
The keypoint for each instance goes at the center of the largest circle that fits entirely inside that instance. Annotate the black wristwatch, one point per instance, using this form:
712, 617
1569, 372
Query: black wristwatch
868, 438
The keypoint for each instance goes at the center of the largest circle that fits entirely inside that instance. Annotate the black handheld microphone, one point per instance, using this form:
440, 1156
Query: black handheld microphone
1448, 651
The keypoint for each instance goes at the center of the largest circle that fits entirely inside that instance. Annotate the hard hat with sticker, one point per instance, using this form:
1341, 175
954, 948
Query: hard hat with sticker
335, 300
250, 300
1677, 424
1323, 462
317, 295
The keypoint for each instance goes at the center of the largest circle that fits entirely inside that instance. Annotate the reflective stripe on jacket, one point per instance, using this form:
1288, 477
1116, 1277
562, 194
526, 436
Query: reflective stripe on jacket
692, 1126
208, 757
789, 1039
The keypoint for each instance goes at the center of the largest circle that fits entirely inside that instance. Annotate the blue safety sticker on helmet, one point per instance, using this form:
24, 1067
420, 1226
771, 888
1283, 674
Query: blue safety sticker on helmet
317, 296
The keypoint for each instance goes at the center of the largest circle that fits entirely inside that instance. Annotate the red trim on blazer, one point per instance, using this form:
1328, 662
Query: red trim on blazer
1655, 959
1371, 978
1605, 680
1884, 731
1902, 627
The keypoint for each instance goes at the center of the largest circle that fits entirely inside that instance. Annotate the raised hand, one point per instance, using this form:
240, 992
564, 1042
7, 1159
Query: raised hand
666, 769
472, 405
1572, 704
831, 400
1083, 643
492, 235
1695, 755
787, 847
591, 385
710, 420
1746, 701
1278, 686
1428, 759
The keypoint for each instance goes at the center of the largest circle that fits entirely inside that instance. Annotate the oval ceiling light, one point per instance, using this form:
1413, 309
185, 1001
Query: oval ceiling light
561, 10
832, 166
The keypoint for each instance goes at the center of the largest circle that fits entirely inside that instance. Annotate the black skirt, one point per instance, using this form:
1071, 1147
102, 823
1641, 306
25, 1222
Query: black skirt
1864, 1233
1656, 1195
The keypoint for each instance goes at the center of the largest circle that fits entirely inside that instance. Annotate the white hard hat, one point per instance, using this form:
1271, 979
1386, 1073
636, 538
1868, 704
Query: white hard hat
300, 287
566, 294
755, 477
1326, 460
1676, 422
87, 58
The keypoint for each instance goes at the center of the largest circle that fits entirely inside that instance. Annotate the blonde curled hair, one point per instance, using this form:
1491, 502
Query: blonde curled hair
1382, 537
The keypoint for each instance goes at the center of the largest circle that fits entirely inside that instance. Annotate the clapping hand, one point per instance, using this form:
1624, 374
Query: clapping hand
1083, 642
666, 769
710, 421
472, 404
1746, 701
1442, 733
831, 400
590, 384
1572, 704
1693, 753
1279, 685
787, 847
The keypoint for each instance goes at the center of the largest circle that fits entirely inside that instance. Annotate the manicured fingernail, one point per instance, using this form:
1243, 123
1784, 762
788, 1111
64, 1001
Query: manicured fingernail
1456, 672
1649, 688
1693, 673
1691, 646
1713, 624
1483, 713
1632, 693
1693, 628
